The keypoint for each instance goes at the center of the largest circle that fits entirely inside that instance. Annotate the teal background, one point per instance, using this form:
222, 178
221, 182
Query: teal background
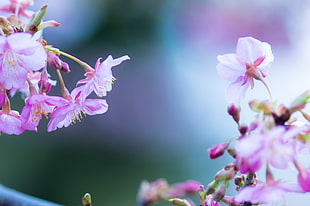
168, 104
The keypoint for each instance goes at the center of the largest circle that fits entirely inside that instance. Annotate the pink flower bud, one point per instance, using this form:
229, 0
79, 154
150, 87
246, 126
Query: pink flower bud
261, 106
218, 150
226, 174
211, 187
44, 85
179, 202
55, 62
220, 193
234, 111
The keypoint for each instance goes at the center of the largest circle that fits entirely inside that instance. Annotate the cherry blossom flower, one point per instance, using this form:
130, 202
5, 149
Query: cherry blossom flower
252, 60
74, 109
19, 53
10, 122
35, 106
100, 79
273, 147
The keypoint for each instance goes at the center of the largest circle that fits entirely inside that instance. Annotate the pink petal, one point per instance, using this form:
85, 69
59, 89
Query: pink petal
229, 67
249, 49
10, 124
236, 91
21, 42
95, 106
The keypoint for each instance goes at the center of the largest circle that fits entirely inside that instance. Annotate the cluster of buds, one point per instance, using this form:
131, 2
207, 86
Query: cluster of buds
25, 58
273, 141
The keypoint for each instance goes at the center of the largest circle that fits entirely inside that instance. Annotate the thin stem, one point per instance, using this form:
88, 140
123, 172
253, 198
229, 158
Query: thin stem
267, 87
84, 65
14, 198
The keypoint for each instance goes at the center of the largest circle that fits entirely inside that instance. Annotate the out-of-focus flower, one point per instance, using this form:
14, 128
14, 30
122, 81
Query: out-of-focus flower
74, 109
210, 201
252, 60
100, 79
269, 192
18, 7
19, 53
274, 147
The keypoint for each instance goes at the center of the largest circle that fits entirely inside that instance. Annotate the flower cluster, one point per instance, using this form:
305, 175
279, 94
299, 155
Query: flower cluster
25, 58
273, 141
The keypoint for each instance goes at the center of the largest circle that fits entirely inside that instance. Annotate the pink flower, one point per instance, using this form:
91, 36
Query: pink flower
100, 79
273, 147
74, 109
10, 122
19, 53
35, 106
252, 60
270, 192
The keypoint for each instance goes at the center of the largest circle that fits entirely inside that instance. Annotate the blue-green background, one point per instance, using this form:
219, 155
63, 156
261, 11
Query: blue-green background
168, 104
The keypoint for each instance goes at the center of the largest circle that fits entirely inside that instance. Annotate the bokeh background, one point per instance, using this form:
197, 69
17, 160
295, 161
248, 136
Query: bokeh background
168, 104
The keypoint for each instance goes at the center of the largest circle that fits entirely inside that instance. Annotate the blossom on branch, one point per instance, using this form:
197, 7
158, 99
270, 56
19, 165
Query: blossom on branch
100, 79
74, 109
252, 60
19, 53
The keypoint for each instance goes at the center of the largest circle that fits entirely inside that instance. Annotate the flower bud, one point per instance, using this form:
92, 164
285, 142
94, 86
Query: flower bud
44, 85
46, 24
226, 174
211, 187
86, 200
179, 202
218, 150
32, 26
300, 103
202, 194
232, 152
219, 193
234, 111
189, 187
243, 129
261, 106
55, 62
239, 181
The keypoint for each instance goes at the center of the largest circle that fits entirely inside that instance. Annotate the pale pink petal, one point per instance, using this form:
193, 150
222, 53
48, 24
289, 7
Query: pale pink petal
265, 66
229, 68
2, 44
10, 124
236, 91
12, 76
95, 106
249, 49
22, 43
36, 60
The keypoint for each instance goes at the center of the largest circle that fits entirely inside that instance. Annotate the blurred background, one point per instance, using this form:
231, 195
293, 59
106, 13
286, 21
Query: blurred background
168, 104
